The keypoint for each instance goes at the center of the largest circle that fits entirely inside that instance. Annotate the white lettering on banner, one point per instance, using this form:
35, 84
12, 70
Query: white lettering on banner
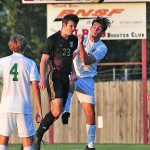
126, 21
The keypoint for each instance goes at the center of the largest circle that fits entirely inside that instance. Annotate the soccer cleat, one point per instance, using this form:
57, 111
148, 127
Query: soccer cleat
36, 143
87, 148
65, 117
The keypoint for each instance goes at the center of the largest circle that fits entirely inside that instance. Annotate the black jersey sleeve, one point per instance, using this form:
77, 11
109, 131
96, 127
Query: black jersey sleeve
48, 46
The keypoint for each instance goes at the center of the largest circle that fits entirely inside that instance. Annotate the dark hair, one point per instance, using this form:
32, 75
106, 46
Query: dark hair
71, 17
103, 21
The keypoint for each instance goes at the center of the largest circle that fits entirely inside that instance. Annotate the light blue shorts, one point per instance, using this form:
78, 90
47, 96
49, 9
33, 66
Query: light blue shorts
85, 90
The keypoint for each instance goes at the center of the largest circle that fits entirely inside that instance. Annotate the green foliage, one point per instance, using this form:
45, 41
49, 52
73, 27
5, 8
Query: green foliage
28, 20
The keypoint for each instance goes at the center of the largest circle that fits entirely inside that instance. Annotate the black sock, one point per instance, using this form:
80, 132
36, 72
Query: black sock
45, 124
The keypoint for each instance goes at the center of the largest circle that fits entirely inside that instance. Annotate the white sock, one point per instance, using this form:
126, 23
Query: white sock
28, 148
3, 147
68, 102
91, 132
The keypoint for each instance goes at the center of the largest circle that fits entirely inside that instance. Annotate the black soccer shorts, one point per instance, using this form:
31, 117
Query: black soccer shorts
58, 85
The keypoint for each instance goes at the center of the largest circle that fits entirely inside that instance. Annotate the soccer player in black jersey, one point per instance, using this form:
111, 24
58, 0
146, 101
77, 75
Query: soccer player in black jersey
59, 48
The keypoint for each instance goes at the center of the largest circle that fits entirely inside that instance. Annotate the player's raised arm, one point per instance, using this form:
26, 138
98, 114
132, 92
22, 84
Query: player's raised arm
86, 58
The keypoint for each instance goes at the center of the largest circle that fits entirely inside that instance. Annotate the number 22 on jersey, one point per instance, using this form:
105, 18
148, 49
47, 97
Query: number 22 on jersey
14, 72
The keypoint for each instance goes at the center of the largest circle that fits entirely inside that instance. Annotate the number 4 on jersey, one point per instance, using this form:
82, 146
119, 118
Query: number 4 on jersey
14, 72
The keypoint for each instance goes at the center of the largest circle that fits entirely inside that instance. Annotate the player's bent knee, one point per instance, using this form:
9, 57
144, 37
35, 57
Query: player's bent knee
56, 114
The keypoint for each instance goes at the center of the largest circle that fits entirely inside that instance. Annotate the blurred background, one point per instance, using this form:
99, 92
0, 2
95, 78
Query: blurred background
30, 20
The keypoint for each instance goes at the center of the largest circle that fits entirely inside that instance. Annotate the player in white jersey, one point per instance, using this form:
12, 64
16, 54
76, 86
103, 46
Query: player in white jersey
90, 51
17, 71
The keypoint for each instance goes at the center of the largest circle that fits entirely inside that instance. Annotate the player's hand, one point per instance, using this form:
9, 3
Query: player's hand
42, 84
38, 117
80, 39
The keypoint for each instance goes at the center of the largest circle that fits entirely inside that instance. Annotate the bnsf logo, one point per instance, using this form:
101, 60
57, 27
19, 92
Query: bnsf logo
90, 12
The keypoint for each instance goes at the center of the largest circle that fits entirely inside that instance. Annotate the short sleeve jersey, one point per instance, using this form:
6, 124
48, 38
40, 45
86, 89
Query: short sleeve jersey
61, 51
16, 72
98, 50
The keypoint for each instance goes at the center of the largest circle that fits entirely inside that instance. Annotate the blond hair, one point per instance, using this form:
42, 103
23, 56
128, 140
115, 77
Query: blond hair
17, 43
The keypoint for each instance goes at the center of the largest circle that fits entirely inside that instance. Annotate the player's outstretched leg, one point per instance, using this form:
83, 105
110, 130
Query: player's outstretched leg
44, 126
37, 143
65, 115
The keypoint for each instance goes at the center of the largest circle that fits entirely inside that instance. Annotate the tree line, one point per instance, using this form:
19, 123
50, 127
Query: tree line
30, 21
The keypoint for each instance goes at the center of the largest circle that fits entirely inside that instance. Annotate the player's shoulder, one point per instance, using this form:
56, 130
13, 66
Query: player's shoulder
29, 60
5, 59
102, 43
54, 36
101, 46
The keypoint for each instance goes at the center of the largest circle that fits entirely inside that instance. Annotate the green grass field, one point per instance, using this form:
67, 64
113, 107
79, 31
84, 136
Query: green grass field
82, 146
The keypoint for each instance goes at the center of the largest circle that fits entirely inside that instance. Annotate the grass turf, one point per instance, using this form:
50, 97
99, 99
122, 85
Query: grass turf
82, 147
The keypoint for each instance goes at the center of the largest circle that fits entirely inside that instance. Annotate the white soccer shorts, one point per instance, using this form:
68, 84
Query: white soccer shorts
24, 123
85, 90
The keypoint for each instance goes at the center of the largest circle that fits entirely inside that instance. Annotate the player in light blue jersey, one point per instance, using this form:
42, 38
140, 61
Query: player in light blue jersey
90, 51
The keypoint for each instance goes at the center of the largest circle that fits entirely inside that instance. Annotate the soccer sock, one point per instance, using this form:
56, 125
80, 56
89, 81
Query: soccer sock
3, 147
68, 102
91, 132
45, 124
28, 148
